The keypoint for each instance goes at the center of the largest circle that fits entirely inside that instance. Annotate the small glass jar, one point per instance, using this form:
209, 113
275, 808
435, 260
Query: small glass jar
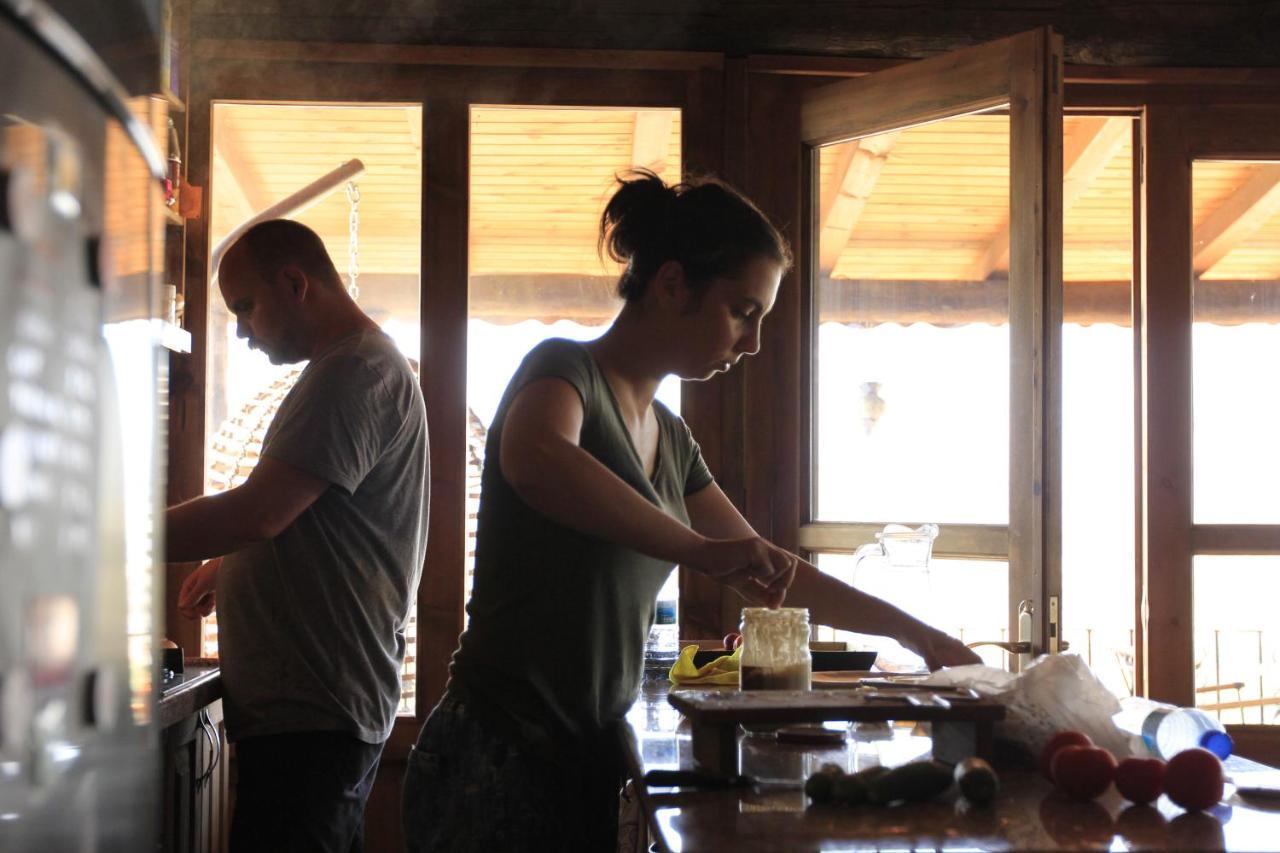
775, 649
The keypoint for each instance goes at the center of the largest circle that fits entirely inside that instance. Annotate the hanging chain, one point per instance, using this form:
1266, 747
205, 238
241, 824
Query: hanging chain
353, 244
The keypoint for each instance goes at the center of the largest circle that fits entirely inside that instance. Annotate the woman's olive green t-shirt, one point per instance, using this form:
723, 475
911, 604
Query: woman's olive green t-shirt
558, 619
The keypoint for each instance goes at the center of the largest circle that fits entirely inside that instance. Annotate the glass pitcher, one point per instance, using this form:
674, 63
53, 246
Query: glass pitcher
896, 568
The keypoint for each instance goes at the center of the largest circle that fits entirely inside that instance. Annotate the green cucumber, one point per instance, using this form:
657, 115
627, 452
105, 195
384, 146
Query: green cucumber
848, 791
977, 780
919, 780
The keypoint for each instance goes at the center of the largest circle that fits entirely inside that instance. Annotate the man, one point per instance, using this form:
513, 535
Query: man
323, 550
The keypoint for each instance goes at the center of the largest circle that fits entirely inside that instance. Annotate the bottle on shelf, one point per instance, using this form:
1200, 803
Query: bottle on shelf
664, 636
1167, 730
173, 173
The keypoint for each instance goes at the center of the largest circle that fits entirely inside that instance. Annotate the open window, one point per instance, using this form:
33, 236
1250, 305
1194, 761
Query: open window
934, 259
540, 177
352, 173
1211, 338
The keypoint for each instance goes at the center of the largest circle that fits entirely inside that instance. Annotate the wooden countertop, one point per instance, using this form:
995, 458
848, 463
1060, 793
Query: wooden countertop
1027, 815
198, 686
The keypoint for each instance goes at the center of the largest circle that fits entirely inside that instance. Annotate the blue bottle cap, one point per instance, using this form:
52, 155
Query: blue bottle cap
1219, 743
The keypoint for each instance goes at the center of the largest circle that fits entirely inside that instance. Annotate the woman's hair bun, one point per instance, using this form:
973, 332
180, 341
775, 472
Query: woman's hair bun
707, 226
638, 216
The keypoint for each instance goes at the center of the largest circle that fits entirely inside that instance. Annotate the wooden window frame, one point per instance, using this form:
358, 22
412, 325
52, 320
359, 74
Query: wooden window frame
772, 476
1023, 71
741, 122
1176, 136
446, 84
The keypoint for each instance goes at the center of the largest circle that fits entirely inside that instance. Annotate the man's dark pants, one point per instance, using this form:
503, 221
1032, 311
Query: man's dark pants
302, 791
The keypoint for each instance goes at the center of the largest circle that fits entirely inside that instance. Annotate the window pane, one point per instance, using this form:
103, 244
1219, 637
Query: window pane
1097, 409
1236, 341
371, 226
1237, 642
966, 598
912, 342
540, 178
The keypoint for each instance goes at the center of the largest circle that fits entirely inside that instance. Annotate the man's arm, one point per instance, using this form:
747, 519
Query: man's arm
831, 601
275, 494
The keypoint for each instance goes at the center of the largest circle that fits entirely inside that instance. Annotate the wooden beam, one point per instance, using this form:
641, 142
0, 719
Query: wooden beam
1167, 406
589, 300
245, 182
1245, 539
1091, 146
228, 191
962, 81
413, 117
651, 139
592, 300
1238, 218
858, 167
288, 50
955, 541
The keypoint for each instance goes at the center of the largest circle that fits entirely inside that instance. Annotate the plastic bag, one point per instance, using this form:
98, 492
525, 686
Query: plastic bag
1055, 692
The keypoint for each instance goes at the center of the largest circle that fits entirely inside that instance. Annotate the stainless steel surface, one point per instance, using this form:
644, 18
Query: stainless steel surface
78, 464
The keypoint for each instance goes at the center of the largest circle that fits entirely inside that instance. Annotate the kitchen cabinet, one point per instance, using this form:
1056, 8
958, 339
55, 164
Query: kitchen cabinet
196, 783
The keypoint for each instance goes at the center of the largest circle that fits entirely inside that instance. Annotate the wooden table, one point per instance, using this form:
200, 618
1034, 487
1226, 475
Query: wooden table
1028, 815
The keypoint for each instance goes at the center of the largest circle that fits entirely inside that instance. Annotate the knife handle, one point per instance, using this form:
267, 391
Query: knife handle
688, 779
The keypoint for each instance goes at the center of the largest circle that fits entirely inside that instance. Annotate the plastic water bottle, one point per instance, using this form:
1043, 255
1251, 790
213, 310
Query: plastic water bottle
1167, 730
664, 636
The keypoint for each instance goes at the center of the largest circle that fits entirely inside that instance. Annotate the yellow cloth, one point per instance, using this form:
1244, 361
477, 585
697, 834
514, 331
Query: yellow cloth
722, 670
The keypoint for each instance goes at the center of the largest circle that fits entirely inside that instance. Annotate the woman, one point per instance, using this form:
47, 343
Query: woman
592, 491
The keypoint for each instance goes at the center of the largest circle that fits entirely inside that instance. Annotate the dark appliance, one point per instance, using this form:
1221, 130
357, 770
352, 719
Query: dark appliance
80, 381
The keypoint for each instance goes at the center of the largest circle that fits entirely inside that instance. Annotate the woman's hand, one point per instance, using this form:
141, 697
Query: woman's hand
939, 649
198, 596
758, 570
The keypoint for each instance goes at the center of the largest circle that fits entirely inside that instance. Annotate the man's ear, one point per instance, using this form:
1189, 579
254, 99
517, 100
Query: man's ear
295, 280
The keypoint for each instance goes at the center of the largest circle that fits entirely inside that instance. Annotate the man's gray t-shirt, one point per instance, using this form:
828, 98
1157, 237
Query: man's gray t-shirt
311, 623
555, 647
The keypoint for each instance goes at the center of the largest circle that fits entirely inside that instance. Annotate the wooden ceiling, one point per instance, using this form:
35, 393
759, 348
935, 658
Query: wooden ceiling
929, 204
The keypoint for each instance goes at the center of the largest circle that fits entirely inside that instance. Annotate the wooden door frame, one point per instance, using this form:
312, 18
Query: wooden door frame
1176, 136
691, 82
1024, 72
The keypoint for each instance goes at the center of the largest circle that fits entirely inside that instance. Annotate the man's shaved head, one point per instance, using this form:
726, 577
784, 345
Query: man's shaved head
269, 246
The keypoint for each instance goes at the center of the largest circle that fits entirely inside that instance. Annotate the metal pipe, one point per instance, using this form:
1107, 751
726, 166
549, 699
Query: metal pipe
288, 206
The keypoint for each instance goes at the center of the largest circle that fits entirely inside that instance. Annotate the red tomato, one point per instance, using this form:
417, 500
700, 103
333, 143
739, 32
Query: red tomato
1082, 772
1140, 780
732, 640
1057, 742
1193, 779
737, 641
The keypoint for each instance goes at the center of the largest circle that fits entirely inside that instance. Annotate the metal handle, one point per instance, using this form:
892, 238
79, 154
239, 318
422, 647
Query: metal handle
1014, 648
206, 726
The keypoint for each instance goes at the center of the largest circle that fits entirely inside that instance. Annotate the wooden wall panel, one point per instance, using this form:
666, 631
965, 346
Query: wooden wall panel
383, 822
444, 379
771, 425
702, 403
